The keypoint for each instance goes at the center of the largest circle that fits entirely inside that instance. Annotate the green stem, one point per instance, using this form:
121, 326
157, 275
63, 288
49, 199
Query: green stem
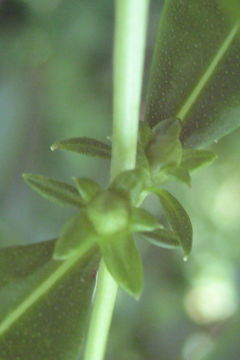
129, 48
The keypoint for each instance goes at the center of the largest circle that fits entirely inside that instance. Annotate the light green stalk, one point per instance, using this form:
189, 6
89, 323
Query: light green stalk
129, 46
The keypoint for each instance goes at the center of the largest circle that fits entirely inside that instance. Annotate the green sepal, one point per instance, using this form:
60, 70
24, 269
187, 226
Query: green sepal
77, 237
123, 261
87, 188
54, 190
142, 220
195, 159
177, 218
84, 145
131, 182
163, 238
165, 149
181, 174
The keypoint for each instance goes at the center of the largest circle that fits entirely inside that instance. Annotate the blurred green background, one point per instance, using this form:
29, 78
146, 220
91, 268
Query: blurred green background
56, 82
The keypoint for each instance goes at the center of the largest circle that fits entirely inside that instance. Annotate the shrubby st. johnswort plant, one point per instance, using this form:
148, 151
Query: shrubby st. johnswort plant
193, 99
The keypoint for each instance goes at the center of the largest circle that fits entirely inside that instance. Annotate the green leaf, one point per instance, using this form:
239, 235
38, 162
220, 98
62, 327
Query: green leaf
44, 303
177, 217
163, 238
53, 190
87, 188
84, 145
232, 8
142, 220
195, 159
123, 261
195, 71
131, 182
77, 237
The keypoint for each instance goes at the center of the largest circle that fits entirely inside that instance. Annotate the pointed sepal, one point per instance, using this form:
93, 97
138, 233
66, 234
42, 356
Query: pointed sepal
123, 261
163, 238
142, 220
85, 146
54, 190
196, 159
177, 218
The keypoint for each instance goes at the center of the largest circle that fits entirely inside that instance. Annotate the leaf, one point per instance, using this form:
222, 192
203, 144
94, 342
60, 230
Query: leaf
123, 261
53, 190
77, 237
195, 71
84, 145
177, 217
44, 303
231, 7
131, 182
195, 159
142, 220
163, 238
87, 188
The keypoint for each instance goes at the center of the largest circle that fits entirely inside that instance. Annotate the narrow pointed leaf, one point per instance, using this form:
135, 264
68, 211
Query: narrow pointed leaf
177, 218
54, 190
163, 238
142, 220
44, 303
195, 159
76, 237
123, 261
87, 188
195, 70
84, 145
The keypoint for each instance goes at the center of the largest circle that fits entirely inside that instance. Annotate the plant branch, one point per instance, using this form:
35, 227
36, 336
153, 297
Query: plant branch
129, 46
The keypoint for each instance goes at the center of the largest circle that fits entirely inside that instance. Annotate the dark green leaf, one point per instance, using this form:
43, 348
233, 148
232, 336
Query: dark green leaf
131, 182
195, 71
53, 190
84, 145
123, 261
177, 217
142, 220
231, 7
87, 188
44, 303
163, 238
195, 159
76, 237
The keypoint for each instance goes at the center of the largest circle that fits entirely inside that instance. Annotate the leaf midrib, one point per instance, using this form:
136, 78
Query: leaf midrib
208, 73
42, 289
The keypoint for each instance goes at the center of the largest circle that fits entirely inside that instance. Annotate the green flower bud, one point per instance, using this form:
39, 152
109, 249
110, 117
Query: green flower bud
109, 212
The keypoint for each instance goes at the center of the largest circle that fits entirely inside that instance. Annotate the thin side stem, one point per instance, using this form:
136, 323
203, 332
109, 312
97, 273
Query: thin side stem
129, 46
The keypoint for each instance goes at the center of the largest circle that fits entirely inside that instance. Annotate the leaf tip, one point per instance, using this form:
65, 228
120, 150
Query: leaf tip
54, 147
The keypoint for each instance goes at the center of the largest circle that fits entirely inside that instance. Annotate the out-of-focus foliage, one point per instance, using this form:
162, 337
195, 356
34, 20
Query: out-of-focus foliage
55, 70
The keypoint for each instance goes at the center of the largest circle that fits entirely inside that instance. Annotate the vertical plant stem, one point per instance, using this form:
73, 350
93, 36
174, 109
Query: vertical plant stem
129, 46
